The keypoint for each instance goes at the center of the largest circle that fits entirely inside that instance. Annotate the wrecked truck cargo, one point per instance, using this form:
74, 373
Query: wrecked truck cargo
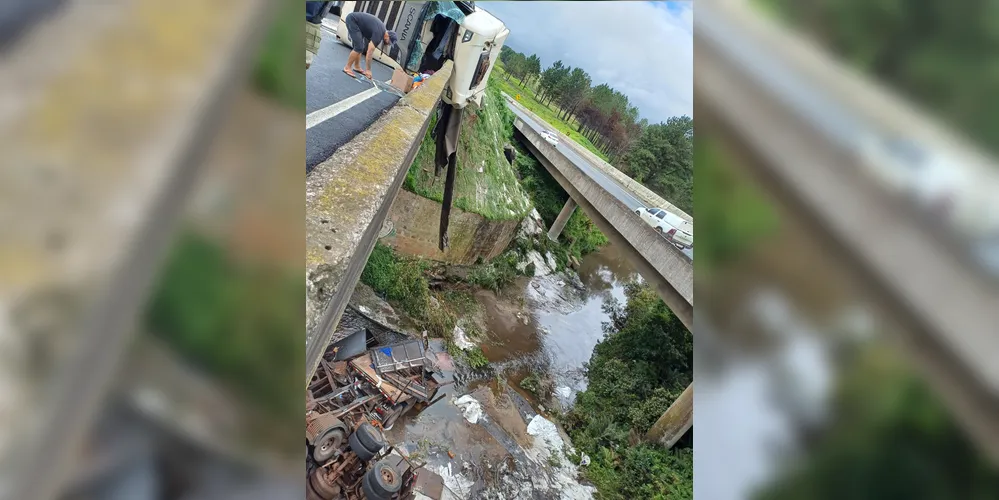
356, 392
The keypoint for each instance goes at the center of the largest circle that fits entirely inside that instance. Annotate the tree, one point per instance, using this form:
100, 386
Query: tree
662, 159
575, 88
642, 365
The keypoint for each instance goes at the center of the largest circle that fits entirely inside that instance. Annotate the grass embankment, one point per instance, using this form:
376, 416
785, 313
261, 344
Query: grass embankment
545, 112
403, 282
485, 182
634, 374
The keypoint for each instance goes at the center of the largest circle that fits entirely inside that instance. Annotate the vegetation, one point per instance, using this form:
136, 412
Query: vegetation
485, 183
239, 321
889, 438
398, 279
549, 115
403, 282
279, 70
722, 193
939, 54
604, 121
580, 236
497, 274
642, 365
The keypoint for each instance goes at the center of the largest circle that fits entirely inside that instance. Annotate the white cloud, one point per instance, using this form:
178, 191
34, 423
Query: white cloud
643, 49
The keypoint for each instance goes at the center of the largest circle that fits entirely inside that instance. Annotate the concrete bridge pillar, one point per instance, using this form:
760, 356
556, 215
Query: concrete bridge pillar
676, 421
563, 217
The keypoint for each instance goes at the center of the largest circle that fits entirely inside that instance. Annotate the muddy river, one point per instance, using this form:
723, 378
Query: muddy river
544, 326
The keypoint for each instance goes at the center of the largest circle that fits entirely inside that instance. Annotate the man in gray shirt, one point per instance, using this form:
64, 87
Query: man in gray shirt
364, 30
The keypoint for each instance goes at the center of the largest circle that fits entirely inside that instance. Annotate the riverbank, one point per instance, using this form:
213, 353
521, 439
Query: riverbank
531, 336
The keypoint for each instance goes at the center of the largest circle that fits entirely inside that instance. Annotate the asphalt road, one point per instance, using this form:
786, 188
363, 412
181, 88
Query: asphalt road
338, 107
608, 183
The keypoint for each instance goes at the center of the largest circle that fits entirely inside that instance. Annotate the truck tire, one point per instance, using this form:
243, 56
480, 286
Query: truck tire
326, 433
322, 488
381, 482
362, 453
370, 437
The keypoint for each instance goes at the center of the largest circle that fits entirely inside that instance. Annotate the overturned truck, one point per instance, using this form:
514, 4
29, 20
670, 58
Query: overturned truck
355, 393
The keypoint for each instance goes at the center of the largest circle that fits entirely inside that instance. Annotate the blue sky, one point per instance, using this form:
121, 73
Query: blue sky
643, 49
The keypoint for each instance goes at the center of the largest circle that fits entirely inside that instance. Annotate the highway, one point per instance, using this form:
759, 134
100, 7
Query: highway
609, 184
338, 107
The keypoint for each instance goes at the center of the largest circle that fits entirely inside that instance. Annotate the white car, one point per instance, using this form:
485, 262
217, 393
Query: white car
677, 231
550, 137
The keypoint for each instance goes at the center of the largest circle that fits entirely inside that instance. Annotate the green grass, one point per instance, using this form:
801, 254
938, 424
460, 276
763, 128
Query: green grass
550, 115
280, 69
493, 193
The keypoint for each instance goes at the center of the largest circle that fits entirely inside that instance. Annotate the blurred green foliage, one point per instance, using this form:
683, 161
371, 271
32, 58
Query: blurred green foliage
944, 55
644, 362
890, 438
240, 321
280, 67
731, 214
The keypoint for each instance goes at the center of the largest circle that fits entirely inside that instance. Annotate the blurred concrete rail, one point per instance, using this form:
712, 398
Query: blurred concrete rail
101, 137
945, 310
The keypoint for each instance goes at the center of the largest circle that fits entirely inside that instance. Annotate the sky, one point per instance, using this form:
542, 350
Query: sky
643, 49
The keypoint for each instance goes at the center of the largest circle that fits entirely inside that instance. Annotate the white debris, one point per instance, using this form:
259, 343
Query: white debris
565, 392
456, 482
584, 460
461, 339
470, 407
547, 432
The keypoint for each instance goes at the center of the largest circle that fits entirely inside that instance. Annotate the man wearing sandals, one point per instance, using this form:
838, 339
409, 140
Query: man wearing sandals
364, 29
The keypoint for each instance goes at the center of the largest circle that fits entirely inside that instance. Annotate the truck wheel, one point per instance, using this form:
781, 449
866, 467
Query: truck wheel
381, 482
362, 453
322, 487
396, 413
370, 438
327, 445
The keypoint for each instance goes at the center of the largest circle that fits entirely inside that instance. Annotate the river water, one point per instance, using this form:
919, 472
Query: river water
547, 326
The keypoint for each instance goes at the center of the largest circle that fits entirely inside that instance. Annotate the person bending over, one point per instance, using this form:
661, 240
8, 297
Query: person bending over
364, 29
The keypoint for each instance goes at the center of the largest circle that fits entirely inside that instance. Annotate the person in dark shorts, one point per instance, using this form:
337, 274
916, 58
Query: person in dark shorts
364, 30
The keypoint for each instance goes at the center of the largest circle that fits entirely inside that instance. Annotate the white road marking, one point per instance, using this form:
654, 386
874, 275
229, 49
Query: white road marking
320, 115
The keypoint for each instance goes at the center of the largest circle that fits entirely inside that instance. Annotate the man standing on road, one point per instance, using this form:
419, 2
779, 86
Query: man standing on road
364, 30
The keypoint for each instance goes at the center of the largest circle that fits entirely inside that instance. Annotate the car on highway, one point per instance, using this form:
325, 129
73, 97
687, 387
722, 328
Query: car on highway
550, 137
676, 230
